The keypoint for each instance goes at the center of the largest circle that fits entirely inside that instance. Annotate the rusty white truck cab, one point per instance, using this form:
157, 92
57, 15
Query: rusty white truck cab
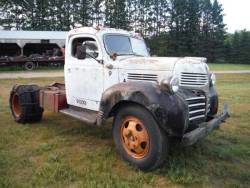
104, 65
109, 73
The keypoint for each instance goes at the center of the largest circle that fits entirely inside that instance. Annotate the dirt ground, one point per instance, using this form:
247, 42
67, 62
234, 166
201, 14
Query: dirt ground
25, 74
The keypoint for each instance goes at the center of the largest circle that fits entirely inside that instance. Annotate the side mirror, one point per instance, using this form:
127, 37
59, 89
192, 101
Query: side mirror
81, 52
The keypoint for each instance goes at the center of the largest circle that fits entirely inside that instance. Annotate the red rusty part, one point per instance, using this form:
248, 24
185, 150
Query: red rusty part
142, 60
16, 107
53, 97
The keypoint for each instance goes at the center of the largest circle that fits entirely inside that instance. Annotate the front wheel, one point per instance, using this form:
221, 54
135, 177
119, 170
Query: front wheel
138, 138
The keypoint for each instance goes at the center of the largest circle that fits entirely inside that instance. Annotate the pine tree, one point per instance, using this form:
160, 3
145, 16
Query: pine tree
29, 7
206, 29
116, 15
177, 28
218, 29
192, 28
173, 27
6, 22
96, 12
109, 13
120, 15
238, 47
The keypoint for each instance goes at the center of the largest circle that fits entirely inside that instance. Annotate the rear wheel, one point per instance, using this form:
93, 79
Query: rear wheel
16, 107
24, 103
29, 65
139, 139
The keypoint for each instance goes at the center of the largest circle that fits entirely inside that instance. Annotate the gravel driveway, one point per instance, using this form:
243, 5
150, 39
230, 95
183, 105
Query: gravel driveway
15, 75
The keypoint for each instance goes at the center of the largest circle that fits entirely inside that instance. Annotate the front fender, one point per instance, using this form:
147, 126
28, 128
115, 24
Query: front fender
214, 101
169, 110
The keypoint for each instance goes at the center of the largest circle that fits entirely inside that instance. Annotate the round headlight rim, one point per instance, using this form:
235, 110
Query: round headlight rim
171, 85
165, 85
174, 84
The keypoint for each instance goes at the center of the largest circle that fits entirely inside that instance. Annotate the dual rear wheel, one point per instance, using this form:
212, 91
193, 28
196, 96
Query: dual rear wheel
24, 103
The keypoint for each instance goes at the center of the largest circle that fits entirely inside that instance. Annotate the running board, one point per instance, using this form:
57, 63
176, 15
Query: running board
87, 116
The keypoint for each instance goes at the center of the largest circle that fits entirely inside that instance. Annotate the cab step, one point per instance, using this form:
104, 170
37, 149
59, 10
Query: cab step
87, 116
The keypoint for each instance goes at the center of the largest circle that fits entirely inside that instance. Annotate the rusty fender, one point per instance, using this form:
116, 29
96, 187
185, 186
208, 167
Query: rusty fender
169, 110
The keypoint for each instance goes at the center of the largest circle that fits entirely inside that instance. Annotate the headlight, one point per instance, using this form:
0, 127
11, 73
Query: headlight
212, 79
171, 85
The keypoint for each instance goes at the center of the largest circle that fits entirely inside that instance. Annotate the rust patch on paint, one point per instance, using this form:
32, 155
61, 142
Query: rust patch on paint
142, 60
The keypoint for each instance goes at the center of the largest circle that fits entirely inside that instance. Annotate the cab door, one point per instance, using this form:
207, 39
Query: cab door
84, 77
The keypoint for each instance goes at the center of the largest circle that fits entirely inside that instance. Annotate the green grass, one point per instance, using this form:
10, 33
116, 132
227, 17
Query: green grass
212, 66
228, 67
63, 152
39, 69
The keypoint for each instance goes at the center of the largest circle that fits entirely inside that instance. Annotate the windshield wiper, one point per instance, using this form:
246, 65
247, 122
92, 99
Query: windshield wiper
138, 55
135, 54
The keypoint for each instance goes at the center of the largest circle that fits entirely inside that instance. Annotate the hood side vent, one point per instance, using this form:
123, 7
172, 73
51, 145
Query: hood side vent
142, 77
193, 79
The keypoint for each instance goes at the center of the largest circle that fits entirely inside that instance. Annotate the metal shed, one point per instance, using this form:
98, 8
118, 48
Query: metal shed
13, 43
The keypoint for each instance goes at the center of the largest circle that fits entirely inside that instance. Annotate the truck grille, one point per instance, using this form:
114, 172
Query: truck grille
197, 108
193, 79
142, 77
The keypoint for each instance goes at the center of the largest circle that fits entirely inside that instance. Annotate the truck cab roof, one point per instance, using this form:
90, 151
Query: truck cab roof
102, 31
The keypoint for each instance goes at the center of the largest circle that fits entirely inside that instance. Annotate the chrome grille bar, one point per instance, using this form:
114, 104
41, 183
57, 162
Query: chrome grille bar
197, 108
198, 104
195, 98
196, 117
195, 111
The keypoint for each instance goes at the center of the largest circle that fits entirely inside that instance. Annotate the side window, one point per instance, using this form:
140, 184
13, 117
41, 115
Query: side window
91, 47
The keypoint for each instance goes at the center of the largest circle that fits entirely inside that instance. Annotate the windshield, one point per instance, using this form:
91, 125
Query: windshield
125, 45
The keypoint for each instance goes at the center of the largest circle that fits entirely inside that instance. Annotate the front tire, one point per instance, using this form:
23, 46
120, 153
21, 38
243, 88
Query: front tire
138, 138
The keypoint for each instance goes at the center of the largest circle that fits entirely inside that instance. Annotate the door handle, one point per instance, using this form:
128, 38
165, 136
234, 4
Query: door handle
109, 66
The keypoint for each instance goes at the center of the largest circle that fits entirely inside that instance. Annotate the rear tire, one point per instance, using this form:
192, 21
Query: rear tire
138, 138
24, 104
29, 66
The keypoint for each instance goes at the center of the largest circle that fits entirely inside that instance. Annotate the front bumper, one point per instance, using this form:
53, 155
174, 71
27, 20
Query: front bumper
205, 128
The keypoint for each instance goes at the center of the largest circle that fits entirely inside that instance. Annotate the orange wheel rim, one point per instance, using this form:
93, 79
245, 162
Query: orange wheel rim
16, 105
134, 137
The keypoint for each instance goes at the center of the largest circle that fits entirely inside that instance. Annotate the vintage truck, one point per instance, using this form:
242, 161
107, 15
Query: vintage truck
109, 73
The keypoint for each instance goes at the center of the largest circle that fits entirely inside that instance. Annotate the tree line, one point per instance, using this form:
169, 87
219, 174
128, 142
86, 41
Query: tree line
170, 27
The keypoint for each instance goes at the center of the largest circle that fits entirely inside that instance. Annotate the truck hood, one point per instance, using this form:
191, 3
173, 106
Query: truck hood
148, 63
192, 72
161, 63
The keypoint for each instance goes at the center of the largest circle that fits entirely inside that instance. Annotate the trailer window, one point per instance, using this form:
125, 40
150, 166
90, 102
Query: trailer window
91, 46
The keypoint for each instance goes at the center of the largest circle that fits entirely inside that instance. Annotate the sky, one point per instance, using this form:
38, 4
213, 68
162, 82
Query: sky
237, 14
